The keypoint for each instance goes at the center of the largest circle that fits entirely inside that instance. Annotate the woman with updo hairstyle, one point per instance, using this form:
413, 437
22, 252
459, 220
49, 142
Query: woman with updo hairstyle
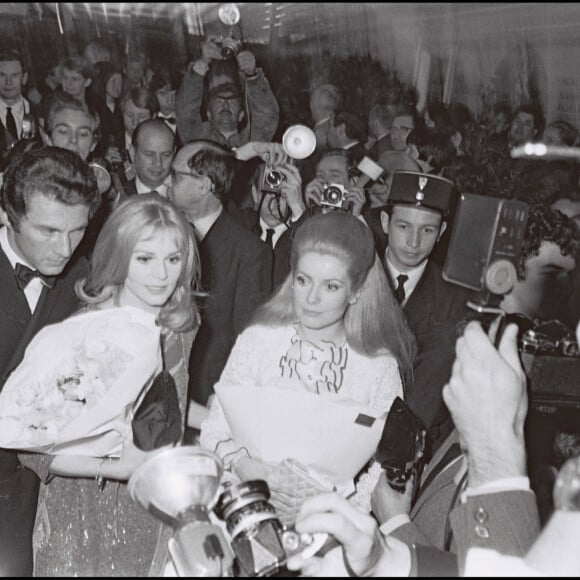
333, 329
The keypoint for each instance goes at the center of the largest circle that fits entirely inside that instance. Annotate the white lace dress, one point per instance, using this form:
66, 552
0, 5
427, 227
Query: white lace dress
265, 356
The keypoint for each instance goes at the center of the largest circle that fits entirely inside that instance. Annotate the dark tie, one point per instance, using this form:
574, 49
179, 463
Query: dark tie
170, 120
11, 123
24, 275
155, 191
269, 236
400, 290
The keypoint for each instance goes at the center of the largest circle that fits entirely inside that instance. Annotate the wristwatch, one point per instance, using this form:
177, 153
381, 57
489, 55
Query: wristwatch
567, 486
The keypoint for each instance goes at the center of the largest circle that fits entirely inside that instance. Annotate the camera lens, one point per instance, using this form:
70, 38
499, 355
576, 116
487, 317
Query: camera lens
227, 52
333, 194
274, 178
253, 526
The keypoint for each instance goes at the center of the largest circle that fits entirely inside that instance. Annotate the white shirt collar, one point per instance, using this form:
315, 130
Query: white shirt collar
322, 121
350, 145
12, 256
203, 225
160, 189
279, 229
414, 275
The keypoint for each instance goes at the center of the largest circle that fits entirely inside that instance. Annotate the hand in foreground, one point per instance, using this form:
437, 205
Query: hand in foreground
387, 502
272, 153
487, 399
291, 188
364, 548
356, 196
313, 192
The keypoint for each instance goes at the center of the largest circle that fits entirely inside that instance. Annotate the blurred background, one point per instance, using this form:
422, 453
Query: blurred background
479, 54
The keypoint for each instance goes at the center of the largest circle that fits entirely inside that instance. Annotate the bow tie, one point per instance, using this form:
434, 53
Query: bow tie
170, 120
24, 275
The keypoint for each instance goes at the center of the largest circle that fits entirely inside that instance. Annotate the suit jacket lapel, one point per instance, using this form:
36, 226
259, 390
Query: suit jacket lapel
419, 304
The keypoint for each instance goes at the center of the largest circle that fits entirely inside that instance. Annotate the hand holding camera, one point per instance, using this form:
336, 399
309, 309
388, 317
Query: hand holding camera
387, 502
488, 402
211, 50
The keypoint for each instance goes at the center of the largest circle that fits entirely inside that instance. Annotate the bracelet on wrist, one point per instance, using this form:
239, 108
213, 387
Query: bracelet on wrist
99, 479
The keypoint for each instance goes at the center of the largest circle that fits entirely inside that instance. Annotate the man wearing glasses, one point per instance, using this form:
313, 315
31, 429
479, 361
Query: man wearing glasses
235, 264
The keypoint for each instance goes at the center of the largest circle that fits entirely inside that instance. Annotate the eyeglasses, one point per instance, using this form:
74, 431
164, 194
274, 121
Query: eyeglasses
193, 174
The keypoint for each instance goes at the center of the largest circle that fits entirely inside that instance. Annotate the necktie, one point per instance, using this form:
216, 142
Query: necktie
155, 191
170, 120
400, 291
24, 275
11, 123
269, 236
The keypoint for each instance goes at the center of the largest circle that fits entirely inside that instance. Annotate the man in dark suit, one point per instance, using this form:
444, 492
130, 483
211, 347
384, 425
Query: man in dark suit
48, 196
13, 106
278, 210
234, 263
347, 131
414, 219
154, 147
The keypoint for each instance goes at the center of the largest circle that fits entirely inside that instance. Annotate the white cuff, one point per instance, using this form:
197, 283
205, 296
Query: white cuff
394, 523
521, 483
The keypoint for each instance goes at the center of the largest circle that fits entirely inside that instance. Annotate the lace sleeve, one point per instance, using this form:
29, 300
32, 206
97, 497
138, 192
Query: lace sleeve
365, 485
389, 385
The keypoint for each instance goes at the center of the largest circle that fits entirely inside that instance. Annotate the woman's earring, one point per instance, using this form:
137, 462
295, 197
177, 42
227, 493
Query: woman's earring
353, 301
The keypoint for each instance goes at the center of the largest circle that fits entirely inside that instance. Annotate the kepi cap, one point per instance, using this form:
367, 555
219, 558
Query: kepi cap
422, 190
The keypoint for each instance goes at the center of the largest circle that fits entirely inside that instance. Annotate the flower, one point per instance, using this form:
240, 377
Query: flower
79, 382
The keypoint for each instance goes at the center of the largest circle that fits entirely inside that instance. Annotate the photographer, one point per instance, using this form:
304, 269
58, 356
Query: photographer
276, 210
488, 402
333, 170
227, 121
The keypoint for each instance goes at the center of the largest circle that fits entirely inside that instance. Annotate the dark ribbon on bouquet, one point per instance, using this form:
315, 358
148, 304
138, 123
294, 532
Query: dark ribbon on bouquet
157, 422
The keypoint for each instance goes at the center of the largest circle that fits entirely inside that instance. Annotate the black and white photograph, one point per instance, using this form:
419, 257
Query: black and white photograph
289, 289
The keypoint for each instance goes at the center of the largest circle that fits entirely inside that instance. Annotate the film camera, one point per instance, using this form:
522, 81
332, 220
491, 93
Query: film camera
403, 448
333, 195
229, 46
298, 143
235, 532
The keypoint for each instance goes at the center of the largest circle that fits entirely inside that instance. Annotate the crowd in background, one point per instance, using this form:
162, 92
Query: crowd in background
202, 138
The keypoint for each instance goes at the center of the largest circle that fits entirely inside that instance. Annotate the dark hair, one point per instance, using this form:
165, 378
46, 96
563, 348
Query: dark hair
57, 173
78, 64
434, 144
355, 127
536, 112
568, 133
547, 225
384, 113
153, 123
143, 98
97, 91
216, 162
162, 78
11, 54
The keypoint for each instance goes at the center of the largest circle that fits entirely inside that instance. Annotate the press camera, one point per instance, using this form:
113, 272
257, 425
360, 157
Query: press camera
334, 196
220, 529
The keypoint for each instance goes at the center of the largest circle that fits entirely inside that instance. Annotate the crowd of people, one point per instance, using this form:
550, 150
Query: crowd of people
132, 187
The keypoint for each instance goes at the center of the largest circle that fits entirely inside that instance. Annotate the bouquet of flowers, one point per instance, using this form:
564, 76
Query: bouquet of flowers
78, 383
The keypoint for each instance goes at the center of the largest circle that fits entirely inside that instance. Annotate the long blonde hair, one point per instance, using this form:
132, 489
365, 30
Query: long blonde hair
109, 267
375, 322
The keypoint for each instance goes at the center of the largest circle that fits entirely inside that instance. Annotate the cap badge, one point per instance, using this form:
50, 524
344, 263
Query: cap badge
420, 196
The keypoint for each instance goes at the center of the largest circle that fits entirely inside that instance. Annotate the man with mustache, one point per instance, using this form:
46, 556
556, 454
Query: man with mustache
227, 122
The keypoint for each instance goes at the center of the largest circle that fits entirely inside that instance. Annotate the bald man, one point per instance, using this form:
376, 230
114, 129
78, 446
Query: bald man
154, 144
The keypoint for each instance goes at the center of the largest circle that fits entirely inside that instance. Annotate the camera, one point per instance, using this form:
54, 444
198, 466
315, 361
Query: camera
404, 447
333, 195
259, 540
550, 338
229, 47
273, 180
